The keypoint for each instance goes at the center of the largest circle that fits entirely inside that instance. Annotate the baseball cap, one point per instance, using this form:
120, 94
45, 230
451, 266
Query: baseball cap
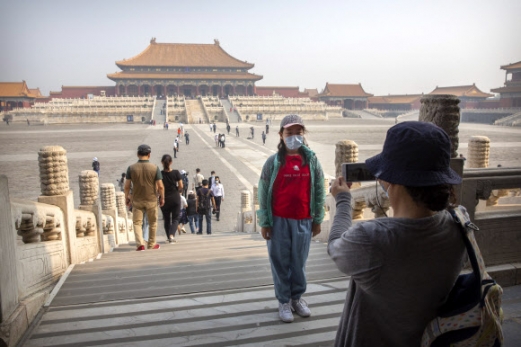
145, 149
291, 119
183, 172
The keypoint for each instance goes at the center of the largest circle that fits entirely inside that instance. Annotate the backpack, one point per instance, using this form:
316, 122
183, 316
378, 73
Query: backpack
472, 314
203, 203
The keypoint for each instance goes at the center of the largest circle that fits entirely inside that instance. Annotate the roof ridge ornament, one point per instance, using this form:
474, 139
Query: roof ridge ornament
153, 41
216, 41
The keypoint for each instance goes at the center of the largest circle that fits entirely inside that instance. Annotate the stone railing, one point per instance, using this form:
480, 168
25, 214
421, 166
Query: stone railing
40, 241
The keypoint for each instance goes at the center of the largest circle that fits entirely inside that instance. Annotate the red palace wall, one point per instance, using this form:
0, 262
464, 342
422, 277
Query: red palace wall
82, 92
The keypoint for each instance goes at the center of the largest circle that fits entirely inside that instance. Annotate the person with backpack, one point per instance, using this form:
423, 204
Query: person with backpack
222, 140
205, 202
402, 267
96, 165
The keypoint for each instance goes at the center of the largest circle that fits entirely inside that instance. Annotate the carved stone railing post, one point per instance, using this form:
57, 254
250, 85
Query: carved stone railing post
245, 217
443, 110
89, 201
109, 207
54, 183
347, 152
8, 261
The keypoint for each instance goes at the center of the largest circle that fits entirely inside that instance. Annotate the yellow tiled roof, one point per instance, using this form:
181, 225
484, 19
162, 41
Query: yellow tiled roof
394, 99
512, 66
470, 91
184, 55
15, 89
185, 76
341, 90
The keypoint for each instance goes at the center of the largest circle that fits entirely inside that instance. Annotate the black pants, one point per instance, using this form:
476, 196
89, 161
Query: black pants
217, 206
171, 210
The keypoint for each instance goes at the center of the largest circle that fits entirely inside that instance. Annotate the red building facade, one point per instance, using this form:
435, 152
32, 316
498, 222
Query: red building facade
470, 96
184, 69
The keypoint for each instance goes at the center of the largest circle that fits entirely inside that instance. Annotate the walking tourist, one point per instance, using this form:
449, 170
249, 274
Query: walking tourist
218, 193
96, 165
121, 182
198, 180
223, 139
173, 183
252, 132
187, 137
147, 186
267, 128
216, 139
211, 179
184, 174
291, 208
214, 127
237, 131
402, 268
228, 127
191, 212
263, 136
182, 216
205, 201
176, 147
211, 127
178, 131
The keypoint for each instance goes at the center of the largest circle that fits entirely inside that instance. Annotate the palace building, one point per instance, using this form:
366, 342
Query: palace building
470, 96
510, 94
349, 96
170, 69
17, 95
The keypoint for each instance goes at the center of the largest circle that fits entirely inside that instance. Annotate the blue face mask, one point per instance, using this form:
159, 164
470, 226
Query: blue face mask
294, 142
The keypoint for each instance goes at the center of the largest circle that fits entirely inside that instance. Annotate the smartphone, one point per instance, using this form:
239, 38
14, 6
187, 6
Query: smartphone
356, 172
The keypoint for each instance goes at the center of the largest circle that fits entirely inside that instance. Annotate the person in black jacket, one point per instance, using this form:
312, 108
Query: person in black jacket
191, 212
95, 165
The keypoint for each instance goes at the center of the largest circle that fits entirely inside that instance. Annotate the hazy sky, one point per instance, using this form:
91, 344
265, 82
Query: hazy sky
391, 47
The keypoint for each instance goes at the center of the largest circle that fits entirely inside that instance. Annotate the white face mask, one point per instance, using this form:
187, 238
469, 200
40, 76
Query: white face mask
294, 142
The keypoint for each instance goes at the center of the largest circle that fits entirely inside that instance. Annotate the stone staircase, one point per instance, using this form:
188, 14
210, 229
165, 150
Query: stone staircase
409, 116
160, 118
513, 120
203, 291
195, 111
232, 116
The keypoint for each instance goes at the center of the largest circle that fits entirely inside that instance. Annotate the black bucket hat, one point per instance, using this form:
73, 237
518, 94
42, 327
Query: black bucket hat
415, 154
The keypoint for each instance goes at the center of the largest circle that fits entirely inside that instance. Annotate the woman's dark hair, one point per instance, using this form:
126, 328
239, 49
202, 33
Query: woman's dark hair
166, 160
191, 196
435, 198
282, 151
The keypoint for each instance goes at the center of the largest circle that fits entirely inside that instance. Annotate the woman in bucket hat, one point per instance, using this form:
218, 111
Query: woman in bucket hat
291, 198
403, 267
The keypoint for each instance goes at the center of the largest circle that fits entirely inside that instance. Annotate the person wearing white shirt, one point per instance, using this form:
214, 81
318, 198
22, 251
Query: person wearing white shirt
218, 193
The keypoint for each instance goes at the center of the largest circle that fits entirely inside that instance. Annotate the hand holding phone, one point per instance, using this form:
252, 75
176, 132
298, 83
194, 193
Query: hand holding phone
340, 185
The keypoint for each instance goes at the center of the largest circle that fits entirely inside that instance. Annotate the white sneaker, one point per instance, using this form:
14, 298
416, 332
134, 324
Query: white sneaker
301, 307
285, 313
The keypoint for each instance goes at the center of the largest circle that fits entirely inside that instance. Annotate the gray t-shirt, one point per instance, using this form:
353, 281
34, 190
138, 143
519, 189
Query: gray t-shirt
401, 271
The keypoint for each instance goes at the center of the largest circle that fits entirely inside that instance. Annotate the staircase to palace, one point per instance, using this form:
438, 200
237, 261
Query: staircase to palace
233, 116
195, 111
159, 116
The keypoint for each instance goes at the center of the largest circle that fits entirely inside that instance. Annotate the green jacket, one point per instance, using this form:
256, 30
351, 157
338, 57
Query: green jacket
265, 189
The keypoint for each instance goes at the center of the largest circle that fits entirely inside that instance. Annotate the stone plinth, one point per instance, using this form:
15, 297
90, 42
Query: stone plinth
89, 187
478, 152
442, 110
54, 173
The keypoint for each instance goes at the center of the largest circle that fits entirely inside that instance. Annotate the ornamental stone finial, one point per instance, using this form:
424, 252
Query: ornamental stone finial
216, 41
54, 172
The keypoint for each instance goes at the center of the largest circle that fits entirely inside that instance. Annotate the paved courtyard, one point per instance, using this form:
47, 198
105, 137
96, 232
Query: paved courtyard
205, 290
